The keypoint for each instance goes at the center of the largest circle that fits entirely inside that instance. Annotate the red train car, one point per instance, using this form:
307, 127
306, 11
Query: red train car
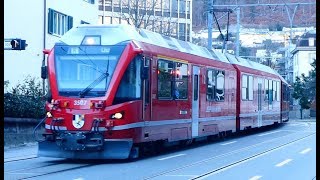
116, 89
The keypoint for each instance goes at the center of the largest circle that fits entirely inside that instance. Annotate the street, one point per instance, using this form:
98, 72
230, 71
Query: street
287, 151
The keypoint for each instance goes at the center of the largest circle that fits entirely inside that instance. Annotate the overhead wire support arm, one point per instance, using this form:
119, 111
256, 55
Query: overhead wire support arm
217, 23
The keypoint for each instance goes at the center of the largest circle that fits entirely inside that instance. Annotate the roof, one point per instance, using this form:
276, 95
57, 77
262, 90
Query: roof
250, 64
128, 32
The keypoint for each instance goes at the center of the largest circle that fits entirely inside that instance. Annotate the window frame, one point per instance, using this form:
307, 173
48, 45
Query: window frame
58, 23
248, 87
214, 76
173, 80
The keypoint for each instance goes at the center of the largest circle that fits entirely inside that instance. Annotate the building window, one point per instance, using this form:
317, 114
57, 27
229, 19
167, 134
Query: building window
247, 87
89, 1
166, 5
58, 23
182, 6
172, 80
311, 41
215, 85
84, 22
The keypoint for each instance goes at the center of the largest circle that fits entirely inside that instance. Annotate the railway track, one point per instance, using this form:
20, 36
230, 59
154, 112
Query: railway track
222, 168
61, 164
8, 160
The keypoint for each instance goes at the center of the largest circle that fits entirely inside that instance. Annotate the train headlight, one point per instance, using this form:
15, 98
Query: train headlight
49, 115
118, 115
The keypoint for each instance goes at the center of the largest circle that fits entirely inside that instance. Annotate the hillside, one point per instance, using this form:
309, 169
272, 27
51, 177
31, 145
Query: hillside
272, 17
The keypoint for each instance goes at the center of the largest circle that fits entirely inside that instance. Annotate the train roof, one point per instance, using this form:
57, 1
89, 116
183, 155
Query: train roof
127, 32
253, 65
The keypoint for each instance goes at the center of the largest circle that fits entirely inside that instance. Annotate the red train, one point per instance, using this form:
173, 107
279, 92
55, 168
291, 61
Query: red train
116, 89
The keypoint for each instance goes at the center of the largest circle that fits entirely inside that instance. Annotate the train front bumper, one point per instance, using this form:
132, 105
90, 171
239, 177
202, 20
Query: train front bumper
110, 149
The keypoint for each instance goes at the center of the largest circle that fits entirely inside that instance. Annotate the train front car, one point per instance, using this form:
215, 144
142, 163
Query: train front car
94, 77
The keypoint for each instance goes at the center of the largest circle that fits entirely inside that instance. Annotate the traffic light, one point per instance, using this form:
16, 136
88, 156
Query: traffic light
18, 44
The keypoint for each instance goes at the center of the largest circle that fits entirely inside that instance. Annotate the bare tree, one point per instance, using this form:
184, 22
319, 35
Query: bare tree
140, 13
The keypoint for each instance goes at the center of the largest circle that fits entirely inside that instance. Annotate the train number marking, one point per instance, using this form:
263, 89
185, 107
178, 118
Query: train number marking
80, 102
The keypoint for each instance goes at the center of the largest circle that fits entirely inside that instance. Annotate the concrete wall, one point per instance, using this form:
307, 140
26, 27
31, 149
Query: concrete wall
18, 131
306, 113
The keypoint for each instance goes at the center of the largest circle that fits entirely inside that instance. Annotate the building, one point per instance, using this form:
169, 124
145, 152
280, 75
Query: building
304, 54
169, 17
41, 23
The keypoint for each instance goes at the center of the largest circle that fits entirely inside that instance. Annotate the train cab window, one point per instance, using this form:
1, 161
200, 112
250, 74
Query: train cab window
215, 85
130, 85
247, 87
165, 71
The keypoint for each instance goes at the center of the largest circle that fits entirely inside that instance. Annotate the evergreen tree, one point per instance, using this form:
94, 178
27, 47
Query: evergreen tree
305, 88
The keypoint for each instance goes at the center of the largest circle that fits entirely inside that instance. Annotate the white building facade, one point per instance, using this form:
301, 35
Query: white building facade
304, 54
169, 17
41, 23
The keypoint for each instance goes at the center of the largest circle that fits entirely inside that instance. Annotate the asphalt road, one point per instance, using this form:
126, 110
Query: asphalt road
284, 152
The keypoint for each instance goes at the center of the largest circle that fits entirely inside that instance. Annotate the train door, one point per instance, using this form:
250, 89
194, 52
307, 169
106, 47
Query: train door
232, 100
259, 102
146, 105
195, 101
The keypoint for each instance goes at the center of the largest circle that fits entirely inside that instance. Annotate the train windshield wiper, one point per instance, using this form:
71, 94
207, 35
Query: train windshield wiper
93, 84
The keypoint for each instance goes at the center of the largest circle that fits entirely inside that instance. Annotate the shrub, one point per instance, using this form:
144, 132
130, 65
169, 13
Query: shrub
25, 100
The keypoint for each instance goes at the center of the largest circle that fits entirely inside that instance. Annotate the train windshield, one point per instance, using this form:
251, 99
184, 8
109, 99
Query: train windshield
85, 71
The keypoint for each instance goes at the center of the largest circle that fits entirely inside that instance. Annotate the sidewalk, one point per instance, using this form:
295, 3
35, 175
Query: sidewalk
310, 119
15, 153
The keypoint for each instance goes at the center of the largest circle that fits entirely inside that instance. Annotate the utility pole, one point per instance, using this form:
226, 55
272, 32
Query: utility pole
210, 21
103, 9
238, 33
291, 21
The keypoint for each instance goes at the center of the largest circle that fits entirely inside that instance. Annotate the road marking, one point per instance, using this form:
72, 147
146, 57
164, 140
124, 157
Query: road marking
80, 178
305, 151
268, 133
171, 157
284, 162
228, 143
255, 178
20, 158
182, 175
20, 173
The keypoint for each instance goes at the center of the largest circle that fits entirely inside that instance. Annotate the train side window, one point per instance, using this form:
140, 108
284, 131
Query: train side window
278, 91
244, 90
211, 85
220, 86
284, 93
270, 92
266, 87
215, 85
181, 81
250, 87
274, 90
247, 87
165, 71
